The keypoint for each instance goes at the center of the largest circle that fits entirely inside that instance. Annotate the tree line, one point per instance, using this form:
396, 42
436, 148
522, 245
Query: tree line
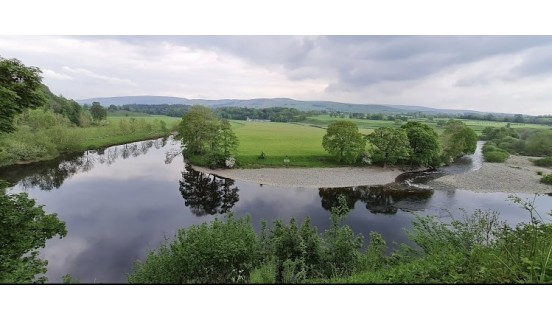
275, 114
516, 118
176, 110
413, 144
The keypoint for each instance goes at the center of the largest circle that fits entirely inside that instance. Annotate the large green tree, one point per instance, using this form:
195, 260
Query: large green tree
19, 90
198, 129
97, 111
424, 144
458, 140
391, 145
227, 141
24, 228
343, 140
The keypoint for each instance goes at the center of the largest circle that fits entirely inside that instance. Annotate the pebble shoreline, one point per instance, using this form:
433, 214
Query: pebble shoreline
310, 177
516, 175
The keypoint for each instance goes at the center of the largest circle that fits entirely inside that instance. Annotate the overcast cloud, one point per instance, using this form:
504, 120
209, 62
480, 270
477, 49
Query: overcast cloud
487, 73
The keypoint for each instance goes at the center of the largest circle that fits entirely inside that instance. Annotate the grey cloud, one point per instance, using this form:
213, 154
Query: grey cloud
537, 62
357, 61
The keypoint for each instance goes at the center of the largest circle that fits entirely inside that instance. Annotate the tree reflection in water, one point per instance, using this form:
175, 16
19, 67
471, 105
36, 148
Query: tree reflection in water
206, 193
381, 199
51, 174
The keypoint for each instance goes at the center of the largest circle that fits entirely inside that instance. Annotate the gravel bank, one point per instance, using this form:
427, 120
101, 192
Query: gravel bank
310, 177
516, 175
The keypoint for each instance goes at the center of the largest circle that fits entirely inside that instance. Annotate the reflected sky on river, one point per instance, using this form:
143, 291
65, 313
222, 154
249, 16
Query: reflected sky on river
121, 202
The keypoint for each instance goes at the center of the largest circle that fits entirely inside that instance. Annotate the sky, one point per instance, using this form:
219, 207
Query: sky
487, 73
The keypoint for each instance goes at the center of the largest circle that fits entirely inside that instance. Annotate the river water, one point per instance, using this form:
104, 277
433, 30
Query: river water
118, 203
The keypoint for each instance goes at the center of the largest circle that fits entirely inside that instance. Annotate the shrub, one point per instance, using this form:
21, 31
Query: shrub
216, 252
494, 154
262, 156
498, 156
544, 162
546, 179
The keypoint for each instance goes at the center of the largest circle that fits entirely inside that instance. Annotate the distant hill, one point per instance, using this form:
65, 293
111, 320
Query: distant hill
270, 102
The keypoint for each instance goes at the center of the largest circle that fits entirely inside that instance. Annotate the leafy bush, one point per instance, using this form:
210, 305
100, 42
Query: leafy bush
546, 179
494, 154
342, 246
497, 156
24, 228
216, 252
544, 162
539, 144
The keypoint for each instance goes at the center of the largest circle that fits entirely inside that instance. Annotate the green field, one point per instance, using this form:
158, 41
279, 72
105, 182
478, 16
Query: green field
110, 132
300, 143
127, 113
25, 145
368, 124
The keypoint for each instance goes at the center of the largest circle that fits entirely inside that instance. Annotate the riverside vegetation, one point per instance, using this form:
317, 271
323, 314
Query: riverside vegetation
503, 141
477, 249
37, 125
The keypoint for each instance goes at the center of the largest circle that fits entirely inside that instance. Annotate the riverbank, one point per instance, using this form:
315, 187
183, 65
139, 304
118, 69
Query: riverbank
25, 146
516, 175
310, 177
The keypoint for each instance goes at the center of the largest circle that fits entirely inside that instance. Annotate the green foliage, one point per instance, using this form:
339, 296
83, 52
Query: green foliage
477, 249
62, 106
300, 253
343, 140
98, 112
265, 274
42, 134
216, 252
491, 133
424, 144
274, 114
19, 90
226, 142
458, 140
544, 162
198, 130
24, 228
391, 145
69, 279
374, 258
546, 179
539, 144
289, 249
496, 156
493, 154
342, 246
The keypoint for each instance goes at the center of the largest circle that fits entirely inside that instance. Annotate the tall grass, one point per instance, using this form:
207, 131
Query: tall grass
42, 135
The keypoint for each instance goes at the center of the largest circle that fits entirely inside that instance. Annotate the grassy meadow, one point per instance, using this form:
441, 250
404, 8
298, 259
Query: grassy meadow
366, 125
302, 144
30, 143
112, 133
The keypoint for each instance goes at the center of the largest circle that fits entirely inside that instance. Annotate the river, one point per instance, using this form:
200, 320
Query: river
120, 202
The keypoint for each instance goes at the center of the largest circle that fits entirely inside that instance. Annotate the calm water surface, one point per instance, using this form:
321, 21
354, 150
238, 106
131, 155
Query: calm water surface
121, 202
